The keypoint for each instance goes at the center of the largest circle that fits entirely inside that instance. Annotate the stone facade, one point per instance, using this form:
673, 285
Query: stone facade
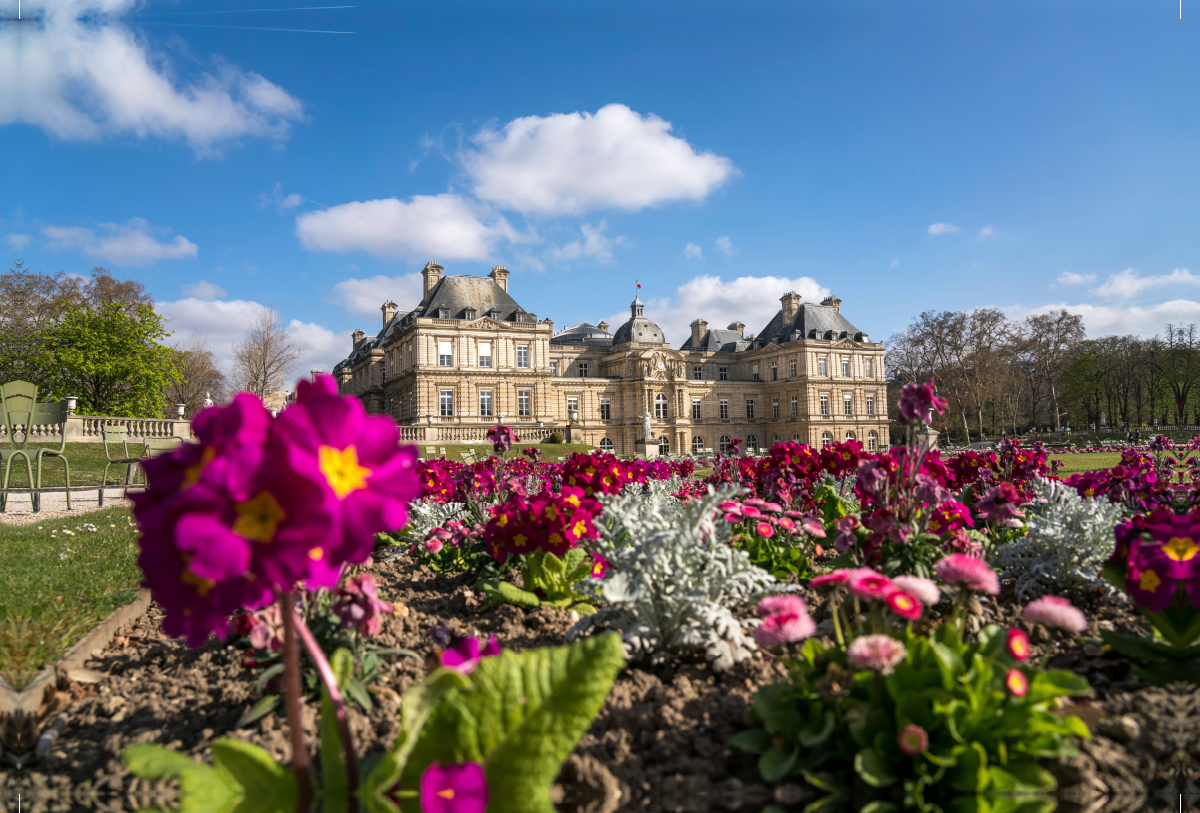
468, 356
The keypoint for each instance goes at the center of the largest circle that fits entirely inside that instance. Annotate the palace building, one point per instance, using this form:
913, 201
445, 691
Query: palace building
469, 356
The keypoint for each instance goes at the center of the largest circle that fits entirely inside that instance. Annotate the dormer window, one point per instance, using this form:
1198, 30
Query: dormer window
443, 314
469, 314
520, 317
493, 314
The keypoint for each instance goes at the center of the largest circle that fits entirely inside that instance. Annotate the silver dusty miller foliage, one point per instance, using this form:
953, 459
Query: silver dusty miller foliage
425, 515
676, 587
1069, 539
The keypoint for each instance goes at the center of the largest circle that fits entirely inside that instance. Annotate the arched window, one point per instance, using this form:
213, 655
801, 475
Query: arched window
849, 436
660, 407
697, 445
776, 439
826, 439
606, 444
724, 444
872, 441
664, 446
795, 438
752, 443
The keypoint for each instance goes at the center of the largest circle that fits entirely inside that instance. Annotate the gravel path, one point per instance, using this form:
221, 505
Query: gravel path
19, 510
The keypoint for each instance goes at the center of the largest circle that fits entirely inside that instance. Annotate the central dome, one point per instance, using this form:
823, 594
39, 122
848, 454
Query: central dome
638, 328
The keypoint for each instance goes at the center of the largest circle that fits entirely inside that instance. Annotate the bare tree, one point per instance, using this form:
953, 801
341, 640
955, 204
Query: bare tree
267, 355
200, 375
1052, 339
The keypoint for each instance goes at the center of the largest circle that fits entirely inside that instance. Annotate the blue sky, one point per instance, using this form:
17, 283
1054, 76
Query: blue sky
905, 156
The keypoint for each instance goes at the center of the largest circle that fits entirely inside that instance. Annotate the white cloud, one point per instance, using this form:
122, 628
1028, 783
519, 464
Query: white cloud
753, 300
1071, 278
204, 290
223, 323
18, 241
280, 201
365, 297
445, 226
987, 233
726, 247
943, 228
131, 244
1103, 320
594, 244
895, 262
572, 163
1129, 283
84, 76
693, 252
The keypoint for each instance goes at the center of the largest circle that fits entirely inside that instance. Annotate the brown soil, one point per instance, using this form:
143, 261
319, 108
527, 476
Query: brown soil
658, 744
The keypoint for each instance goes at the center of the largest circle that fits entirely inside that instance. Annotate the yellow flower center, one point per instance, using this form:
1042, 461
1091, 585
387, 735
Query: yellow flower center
342, 471
519, 540
502, 521
1181, 549
202, 585
315, 554
580, 527
556, 539
258, 518
573, 500
1149, 581
551, 512
191, 474
448, 793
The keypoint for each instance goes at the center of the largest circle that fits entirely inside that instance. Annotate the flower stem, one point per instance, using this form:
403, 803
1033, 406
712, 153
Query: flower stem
293, 703
339, 710
837, 625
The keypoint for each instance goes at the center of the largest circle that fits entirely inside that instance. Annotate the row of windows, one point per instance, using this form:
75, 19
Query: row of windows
749, 444
661, 411
446, 403
581, 369
446, 354
469, 314
847, 404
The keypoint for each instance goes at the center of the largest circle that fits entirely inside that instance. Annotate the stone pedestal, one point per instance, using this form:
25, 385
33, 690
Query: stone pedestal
645, 449
927, 439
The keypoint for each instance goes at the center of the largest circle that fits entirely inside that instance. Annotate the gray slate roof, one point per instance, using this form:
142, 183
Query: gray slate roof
460, 292
585, 334
728, 340
811, 322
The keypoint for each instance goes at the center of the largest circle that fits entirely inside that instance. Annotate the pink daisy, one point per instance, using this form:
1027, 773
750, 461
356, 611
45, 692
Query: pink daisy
969, 572
784, 628
879, 653
925, 590
1053, 611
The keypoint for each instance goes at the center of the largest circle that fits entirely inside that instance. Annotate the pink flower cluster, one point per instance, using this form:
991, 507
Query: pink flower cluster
359, 607
878, 653
764, 518
785, 621
1052, 611
906, 596
969, 572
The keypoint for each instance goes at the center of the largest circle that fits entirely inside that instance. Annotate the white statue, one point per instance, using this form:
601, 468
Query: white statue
208, 401
646, 428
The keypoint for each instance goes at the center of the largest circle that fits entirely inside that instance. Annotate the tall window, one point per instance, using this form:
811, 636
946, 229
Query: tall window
485, 403
724, 447
752, 443
698, 372
695, 409
821, 365
870, 404
605, 409
845, 366
792, 367
847, 404
583, 369
774, 407
485, 354
824, 404
872, 441
867, 367
606, 445
572, 405
849, 436
664, 446
444, 354
754, 372
523, 403
774, 371
697, 445
826, 439
554, 368
750, 409
724, 409
724, 372
447, 403
795, 406
660, 406
523, 356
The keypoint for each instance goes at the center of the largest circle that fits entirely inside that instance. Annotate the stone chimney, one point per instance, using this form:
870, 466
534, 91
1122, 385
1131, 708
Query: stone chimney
833, 302
739, 327
315, 373
791, 306
603, 325
355, 338
547, 321
389, 310
430, 274
500, 275
699, 328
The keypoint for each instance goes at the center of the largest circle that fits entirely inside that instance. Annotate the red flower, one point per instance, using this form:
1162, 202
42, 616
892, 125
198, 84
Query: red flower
1017, 683
1018, 644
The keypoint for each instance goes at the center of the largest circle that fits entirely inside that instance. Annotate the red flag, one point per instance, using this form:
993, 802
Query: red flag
639, 286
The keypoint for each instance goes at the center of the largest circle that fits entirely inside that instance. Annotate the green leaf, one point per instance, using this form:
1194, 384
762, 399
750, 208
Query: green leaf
753, 741
266, 786
879, 807
1146, 649
873, 768
268, 673
1056, 683
969, 774
1030, 778
498, 592
810, 738
778, 761
202, 788
353, 689
521, 716
261, 709
335, 784
775, 705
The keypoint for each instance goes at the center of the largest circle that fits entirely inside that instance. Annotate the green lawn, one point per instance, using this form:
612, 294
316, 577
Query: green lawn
1086, 461
58, 579
87, 465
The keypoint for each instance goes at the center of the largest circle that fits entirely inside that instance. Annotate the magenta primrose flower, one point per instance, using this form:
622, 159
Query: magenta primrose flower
502, 438
454, 789
464, 655
918, 402
969, 572
366, 478
1052, 611
359, 607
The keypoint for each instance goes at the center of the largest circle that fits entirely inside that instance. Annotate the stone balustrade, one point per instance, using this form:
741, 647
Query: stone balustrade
89, 429
468, 433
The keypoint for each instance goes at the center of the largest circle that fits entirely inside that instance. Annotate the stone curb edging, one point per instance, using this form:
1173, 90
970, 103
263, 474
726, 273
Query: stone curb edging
29, 699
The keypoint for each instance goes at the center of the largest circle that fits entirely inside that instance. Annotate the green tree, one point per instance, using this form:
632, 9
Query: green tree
109, 355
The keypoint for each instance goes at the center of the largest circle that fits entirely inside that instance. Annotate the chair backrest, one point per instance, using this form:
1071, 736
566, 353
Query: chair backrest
53, 413
115, 434
442, 451
157, 446
19, 399
431, 451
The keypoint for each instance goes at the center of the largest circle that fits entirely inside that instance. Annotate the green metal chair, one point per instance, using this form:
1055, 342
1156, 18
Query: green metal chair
17, 400
157, 446
118, 435
53, 413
